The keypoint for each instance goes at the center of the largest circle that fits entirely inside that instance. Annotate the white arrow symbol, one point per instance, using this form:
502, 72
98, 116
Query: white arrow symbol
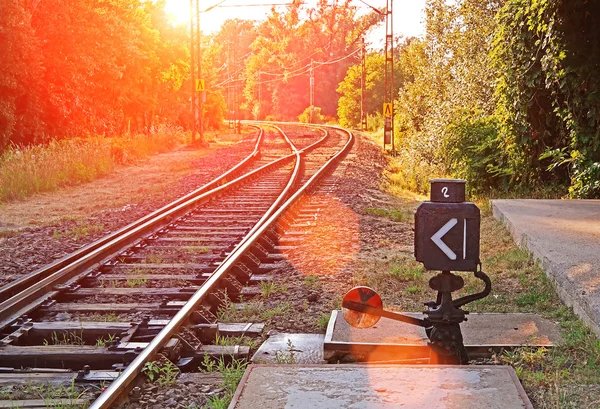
437, 238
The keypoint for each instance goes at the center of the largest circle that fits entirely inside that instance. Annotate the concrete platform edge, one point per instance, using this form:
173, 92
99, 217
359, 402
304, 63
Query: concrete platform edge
565, 291
513, 375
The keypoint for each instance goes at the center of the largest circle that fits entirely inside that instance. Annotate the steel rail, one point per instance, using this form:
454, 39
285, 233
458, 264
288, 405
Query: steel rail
32, 297
272, 208
19, 284
120, 385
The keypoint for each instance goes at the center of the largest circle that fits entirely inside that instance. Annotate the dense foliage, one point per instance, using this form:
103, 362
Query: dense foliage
72, 68
350, 92
504, 93
112, 67
547, 54
447, 89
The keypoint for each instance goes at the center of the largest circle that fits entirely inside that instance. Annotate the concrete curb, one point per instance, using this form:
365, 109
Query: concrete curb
557, 272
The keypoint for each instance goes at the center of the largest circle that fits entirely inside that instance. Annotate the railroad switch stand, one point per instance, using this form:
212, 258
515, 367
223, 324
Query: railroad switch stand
446, 238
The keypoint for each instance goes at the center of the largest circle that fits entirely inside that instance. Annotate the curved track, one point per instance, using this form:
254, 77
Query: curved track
170, 271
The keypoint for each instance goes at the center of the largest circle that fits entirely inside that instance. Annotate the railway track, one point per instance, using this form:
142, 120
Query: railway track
156, 285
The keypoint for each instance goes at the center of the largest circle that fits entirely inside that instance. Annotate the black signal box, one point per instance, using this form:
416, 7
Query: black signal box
447, 229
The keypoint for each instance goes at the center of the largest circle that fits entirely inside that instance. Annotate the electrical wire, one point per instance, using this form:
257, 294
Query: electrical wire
257, 5
288, 76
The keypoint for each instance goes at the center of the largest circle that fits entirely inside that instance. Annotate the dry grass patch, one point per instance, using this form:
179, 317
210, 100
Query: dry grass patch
40, 168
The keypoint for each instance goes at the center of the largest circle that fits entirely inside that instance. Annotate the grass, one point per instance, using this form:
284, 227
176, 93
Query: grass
312, 281
397, 215
105, 283
268, 288
138, 278
234, 341
102, 342
414, 289
108, 317
323, 321
566, 376
400, 281
65, 338
232, 375
288, 356
255, 310
5, 234
154, 259
407, 271
201, 249
163, 373
40, 168
79, 231
54, 396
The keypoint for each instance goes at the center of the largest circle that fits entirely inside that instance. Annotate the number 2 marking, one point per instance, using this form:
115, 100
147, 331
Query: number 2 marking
445, 191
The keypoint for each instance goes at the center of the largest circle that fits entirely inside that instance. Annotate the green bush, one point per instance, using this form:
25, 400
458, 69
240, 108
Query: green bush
317, 117
474, 151
374, 122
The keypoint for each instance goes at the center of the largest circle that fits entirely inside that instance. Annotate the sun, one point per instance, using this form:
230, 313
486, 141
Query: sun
178, 10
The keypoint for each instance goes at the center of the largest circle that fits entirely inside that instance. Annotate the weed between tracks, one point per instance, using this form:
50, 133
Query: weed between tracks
65, 338
252, 311
54, 396
163, 373
232, 375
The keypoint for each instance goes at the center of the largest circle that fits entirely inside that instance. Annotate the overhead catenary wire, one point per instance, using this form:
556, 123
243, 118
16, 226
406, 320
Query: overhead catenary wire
293, 74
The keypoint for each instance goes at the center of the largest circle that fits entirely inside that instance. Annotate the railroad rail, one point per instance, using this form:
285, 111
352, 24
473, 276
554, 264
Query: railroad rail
212, 242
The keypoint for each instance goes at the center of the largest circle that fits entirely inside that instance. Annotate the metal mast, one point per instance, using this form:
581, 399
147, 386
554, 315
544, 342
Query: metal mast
312, 91
388, 94
193, 72
259, 97
202, 93
363, 85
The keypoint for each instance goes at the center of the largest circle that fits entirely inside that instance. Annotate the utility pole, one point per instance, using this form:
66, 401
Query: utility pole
236, 102
388, 94
363, 85
192, 73
234, 85
312, 92
203, 92
259, 97
229, 84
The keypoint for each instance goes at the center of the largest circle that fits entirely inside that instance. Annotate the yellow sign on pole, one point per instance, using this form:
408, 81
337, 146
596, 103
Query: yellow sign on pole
387, 109
200, 84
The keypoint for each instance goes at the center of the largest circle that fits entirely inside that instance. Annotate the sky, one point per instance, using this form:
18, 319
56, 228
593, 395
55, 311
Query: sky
408, 15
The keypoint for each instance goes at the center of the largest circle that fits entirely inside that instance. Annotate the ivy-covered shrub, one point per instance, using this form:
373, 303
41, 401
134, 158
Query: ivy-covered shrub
547, 55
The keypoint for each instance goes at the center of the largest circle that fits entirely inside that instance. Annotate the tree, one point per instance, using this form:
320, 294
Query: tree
88, 67
449, 77
20, 71
286, 48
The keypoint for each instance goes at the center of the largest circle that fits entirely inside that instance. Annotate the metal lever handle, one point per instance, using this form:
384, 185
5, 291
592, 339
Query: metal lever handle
473, 297
355, 306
